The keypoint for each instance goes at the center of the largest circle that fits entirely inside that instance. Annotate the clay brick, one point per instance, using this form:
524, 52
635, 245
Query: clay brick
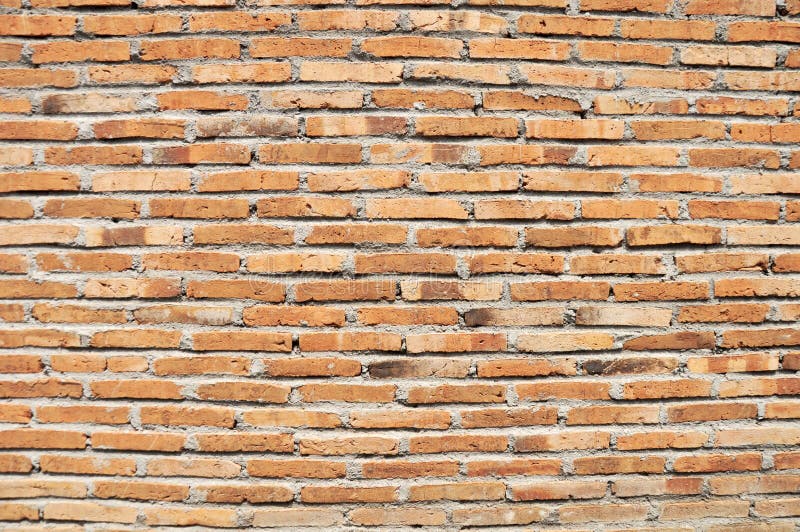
574, 129
605, 104
445, 21
573, 236
309, 99
398, 516
560, 290
546, 390
563, 25
564, 440
464, 491
457, 394
341, 19
261, 72
411, 47
37, 25
524, 209
518, 100
68, 51
625, 53
489, 74
347, 446
131, 24
499, 515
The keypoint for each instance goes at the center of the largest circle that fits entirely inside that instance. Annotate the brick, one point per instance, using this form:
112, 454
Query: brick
432, 126
418, 419
43, 488
340, 19
12, 104
241, 73
251, 442
489, 74
658, 486
632, 156
91, 208
385, 369
764, 8
291, 418
201, 101
299, 47
337, 494
346, 446
673, 234
518, 100
15, 209
507, 418
526, 154
431, 99
604, 465
411, 47
83, 414
408, 208
281, 315
544, 390
573, 236
29, 77
562, 441
648, 6
605, 415
664, 389
68, 51
711, 412
661, 440
353, 72
746, 56
354, 341
37, 25
464, 491
560, 290
704, 509
190, 517
292, 517
457, 394
602, 513
89, 511
42, 439
588, 78
295, 468
480, 468
516, 263
232, 493
623, 316
131, 24
398, 516
727, 158
523, 209
518, 49
94, 155
445, 21
35, 130
625, 53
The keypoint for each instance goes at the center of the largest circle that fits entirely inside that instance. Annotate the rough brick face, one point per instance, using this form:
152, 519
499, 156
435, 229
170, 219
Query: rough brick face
397, 264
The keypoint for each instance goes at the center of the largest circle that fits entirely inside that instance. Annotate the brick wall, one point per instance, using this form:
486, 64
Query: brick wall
364, 263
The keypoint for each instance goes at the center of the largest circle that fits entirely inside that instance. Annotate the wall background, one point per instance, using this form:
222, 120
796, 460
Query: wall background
343, 264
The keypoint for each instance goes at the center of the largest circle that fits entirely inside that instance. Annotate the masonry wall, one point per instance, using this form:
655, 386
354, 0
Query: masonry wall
395, 263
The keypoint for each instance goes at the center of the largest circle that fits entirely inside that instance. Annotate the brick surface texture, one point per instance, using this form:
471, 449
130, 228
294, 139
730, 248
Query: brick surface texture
385, 264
